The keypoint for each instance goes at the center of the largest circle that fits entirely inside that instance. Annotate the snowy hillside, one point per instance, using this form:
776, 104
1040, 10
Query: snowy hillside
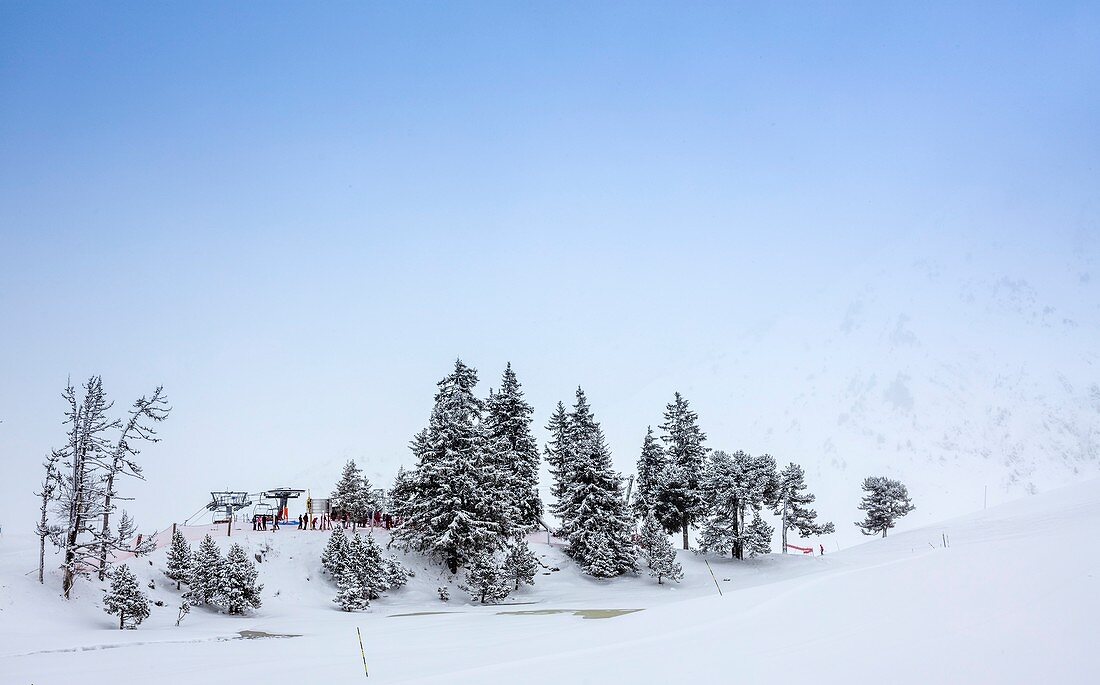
1011, 600
954, 373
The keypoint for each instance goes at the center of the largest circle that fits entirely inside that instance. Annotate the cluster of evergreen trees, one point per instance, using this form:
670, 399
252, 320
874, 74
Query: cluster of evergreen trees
79, 492
682, 483
359, 569
228, 583
473, 491
474, 488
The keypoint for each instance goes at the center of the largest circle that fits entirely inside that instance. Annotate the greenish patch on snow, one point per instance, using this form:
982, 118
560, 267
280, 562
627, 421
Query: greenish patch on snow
583, 613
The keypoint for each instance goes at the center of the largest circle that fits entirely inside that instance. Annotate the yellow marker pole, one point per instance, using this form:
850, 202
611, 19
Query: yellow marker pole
362, 653
712, 576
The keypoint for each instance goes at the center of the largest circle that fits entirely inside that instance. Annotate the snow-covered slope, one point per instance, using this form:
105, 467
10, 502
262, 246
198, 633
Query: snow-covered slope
974, 368
1012, 599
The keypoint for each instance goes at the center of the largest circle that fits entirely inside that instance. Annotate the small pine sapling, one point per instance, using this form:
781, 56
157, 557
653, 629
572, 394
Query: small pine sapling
179, 560
396, 575
185, 608
335, 553
758, 537
239, 591
484, 579
658, 552
371, 569
350, 595
520, 565
125, 599
207, 571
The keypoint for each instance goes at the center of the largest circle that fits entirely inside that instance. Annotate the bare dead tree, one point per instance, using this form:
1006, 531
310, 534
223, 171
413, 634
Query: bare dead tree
51, 483
146, 412
81, 493
87, 486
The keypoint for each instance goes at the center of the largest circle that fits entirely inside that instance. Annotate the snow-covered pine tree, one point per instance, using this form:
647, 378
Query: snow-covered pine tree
372, 568
520, 565
514, 451
334, 556
657, 551
792, 500
557, 457
485, 580
458, 510
126, 599
886, 501
403, 491
732, 486
652, 467
598, 524
51, 483
207, 572
679, 501
350, 594
395, 574
352, 494
239, 591
179, 559
758, 537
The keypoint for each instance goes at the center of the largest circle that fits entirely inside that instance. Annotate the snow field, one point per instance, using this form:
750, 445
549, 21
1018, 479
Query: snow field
1013, 599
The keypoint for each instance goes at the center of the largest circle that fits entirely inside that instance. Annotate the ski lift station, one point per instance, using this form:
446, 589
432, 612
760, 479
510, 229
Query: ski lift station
274, 503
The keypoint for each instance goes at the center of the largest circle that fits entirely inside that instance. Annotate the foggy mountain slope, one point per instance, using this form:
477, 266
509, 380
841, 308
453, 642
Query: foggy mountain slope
951, 373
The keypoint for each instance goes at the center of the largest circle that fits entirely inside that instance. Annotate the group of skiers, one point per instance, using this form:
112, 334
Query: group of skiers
306, 523
322, 522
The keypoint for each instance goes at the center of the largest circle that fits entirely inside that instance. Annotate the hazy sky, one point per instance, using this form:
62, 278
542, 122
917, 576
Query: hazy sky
295, 216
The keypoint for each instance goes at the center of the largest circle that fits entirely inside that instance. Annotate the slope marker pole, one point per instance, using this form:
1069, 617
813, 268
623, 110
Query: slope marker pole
362, 653
712, 576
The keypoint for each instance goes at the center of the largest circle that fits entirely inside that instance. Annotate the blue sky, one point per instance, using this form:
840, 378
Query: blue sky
295, 216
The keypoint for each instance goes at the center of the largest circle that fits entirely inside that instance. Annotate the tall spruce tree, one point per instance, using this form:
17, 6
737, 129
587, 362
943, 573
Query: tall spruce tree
458, 509
598, 526
679, 501
791, 506
652, 468
557, 454
886, 500
513, 450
